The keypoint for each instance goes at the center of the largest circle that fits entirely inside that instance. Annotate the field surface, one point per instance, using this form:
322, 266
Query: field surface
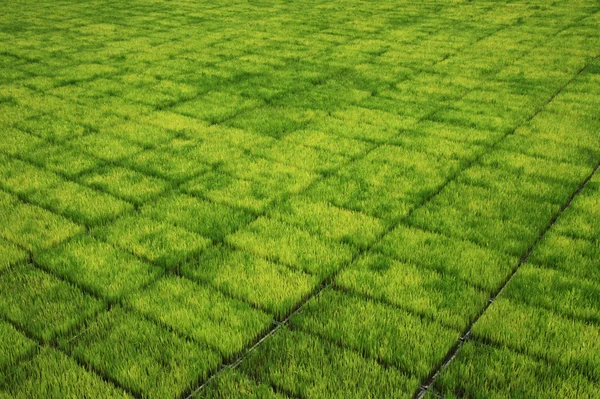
299, 199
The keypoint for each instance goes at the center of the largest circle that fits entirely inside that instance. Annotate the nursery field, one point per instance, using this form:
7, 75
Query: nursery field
299, 199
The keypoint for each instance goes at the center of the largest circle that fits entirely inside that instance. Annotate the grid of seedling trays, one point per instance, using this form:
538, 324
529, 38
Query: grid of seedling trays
304, 199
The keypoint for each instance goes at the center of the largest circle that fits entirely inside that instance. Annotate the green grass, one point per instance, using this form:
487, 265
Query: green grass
541, 332
480, 371
51, 129
216, 107
299, 199
381, 331
482, 267
14, 346
431, 294
97, 266
329, 221
197, 215
141, 356
267, 285
233, 384
144, 135
292, 246
106, 148
223, 188
365, 185
127, 184
201, 313
16, 141
493, 218
42, 304
10, 254
305, 365
573, 246
274, 177
32, 227
62, 160
52, 374
168, 163
556, 291
159, 242
304, 157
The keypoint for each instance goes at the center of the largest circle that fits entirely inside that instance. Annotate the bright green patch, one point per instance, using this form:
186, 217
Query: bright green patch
226, 189
327, 142
158, 242
489, 217
15, 142
517, 184
10, 254
304, 157
438, 146
332, 222
34, 228
63, 160
53, 375
556, 291
294, 247
386, 183
80, 203
99, 267
425, 292
51, 128
543, 333
482, 371
216, 106
168, 164
42, 304
23, 178
107, 148
48, 190
582, 218
480, 266
380, 331
145, 135
271, 121
275, 177
204, 217
538, 147
175, 122
572, 256
265, 284
568, 174
310, 367
201, 313
232, 384
145, 358
13, 346
127, 184
366, 124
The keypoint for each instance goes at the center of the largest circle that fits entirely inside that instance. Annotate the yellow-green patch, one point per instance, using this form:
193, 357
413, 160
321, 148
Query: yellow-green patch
42, 304
203, 217
287, 244
97, 266
270, 286
201, 313
159, 242
146, 359
127, 184
51, 374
